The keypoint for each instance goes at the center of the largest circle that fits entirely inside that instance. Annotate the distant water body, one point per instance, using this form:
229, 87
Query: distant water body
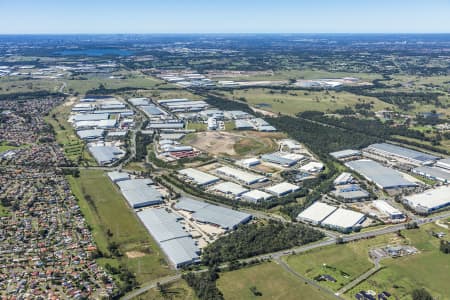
96, 52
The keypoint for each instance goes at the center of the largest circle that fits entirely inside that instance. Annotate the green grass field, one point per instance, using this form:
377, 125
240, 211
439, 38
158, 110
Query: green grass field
268, 278
6, 147
293, 101
344, 262
303, 74
401, 276
106, 211
74, 148
178, 290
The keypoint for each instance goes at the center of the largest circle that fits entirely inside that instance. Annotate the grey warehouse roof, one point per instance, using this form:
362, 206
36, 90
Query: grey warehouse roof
403, 152
275, 158
105, 154
176, 243
213, 214
382, 176
138, 192
345, 153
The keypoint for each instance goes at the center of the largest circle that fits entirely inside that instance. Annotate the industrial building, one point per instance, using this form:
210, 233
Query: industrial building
430, 200
344, 220
90, 134
389, 210
390, 151
279, 159
433, 173
230, 188
248, 162
167, 231
240, 175
383, 177
291, 145
256, 196
212, 214
90, 117
444, 163
183, 105
241, 124
345, 154
198, 177
139, 193
139, 101
316, 213
152, 110
106, 154
343, 178
116, 176
350, 193
282, 189
312, 167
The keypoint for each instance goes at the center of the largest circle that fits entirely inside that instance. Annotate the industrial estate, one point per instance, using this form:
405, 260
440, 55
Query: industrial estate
153, 170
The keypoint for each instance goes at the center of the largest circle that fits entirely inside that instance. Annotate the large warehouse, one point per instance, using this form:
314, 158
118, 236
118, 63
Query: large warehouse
343, 154
392, 151
316, 213
230, 188
139, 193
212, 214
389, 210
344, 220
199, 177
433, 173
240, 175
256, 196
444, 163
282, 189
106, 154
165, 228
383, 177
430, 200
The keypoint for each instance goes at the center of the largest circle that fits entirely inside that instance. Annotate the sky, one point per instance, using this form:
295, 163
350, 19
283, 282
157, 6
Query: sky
224, 16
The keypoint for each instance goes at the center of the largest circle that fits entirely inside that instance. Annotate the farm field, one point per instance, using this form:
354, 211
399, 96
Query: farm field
269, 279
295, 101
427, 269
113, 222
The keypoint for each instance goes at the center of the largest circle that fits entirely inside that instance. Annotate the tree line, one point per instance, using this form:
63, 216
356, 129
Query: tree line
256, 239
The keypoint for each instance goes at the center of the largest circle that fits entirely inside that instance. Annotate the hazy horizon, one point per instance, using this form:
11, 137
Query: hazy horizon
231, 17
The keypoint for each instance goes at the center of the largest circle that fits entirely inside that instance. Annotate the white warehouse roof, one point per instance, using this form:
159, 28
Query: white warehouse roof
430, 200
240, 175
256, 196
230, 188
344, 219
282, 188
316, 213
199, 177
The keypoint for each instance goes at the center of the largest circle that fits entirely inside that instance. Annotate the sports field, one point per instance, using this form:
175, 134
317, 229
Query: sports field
270, 279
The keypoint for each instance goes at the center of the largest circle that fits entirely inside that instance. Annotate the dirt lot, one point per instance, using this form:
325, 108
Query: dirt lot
134, 254
242, 143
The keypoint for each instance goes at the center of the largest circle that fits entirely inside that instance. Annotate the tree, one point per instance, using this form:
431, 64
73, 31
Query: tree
421, 294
